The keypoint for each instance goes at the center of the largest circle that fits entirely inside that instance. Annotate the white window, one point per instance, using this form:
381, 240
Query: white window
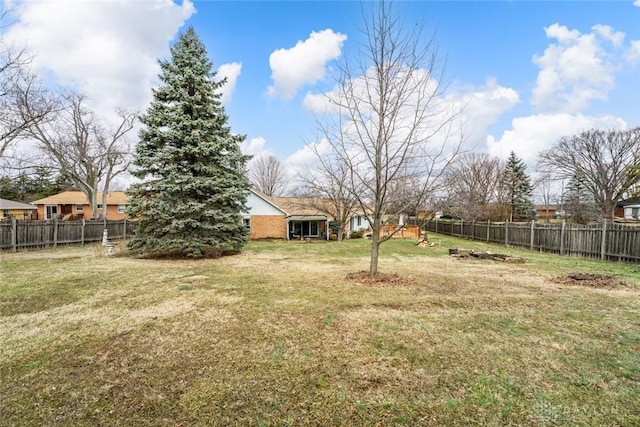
122, 208
5, 213
79, 208
247, 223
51, 212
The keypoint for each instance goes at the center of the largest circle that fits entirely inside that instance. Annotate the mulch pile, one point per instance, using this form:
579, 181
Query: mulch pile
388, 279
465, 254
601, 281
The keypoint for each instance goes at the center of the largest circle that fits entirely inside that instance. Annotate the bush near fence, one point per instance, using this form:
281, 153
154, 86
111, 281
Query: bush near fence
23, 234
606, 241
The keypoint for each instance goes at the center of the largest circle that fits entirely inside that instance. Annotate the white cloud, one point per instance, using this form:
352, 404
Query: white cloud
304, 63
607, 33
576, 70
107, 49
255, 147
320, 103
306, 159
478, 107
636, 3
633, 54
231, 72
532, 134
481, 107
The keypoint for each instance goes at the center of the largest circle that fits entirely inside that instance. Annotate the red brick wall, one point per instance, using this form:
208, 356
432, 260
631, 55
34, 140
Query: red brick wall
112, 211
268, 226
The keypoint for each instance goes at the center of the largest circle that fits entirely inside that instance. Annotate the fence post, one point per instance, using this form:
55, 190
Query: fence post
124, 228
506, 233
55, 231
532, 231
603, 243
436, 226
562, 230
82, 233
462, 228
14, 234
488, 227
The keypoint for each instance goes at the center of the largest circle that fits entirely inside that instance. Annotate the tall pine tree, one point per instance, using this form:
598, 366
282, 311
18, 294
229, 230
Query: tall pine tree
194, 185
516, 185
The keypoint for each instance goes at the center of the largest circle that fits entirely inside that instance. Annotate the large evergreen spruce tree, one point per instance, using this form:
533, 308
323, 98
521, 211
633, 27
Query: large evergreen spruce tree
516, 184
194, 184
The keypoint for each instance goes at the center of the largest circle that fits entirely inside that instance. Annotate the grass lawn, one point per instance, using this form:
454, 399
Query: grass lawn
278, 336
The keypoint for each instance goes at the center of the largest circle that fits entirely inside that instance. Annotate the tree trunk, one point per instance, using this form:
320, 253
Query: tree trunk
375, 250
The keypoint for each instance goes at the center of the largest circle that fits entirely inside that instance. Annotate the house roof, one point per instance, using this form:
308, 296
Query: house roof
10, 204
300, 206
79, 198
628, 202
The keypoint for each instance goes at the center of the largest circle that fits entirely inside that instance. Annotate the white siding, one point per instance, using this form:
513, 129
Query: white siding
259, 206
631, 211
358, 222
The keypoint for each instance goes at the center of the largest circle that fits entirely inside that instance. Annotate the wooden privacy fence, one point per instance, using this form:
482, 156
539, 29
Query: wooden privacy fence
18, 234
607, 241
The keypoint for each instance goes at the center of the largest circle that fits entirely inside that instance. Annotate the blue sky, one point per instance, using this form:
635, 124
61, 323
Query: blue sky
531, 71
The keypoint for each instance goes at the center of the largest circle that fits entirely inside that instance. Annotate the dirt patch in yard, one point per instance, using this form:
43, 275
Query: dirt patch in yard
388, 279
602, 281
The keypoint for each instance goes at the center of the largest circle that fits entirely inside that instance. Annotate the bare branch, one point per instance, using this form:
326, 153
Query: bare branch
601, 157
268, 175
389, 121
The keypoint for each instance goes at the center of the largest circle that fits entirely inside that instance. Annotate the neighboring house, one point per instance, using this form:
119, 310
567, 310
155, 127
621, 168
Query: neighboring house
629, 208
290, 218
75, 204
358, 222
546, 212
304, 220
265, 219
10, 209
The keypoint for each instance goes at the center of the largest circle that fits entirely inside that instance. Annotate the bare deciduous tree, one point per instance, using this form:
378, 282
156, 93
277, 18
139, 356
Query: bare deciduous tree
81, 148
473, 186
16, 83
387, 118
543, 185
602, 157
328, 184
268, 176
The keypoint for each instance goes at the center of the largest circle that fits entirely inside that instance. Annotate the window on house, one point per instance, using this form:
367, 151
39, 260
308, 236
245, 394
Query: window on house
79, 208
122, 208
359, 221
635, 213
26, 213
313, 228
51, 212
5, 213
247, 223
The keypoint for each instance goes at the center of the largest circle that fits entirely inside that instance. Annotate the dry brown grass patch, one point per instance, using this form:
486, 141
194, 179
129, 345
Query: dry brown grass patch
592, 280
380, 278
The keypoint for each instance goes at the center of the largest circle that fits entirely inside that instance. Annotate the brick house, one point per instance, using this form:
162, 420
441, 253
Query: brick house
76, 204
288, 218
264, 219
